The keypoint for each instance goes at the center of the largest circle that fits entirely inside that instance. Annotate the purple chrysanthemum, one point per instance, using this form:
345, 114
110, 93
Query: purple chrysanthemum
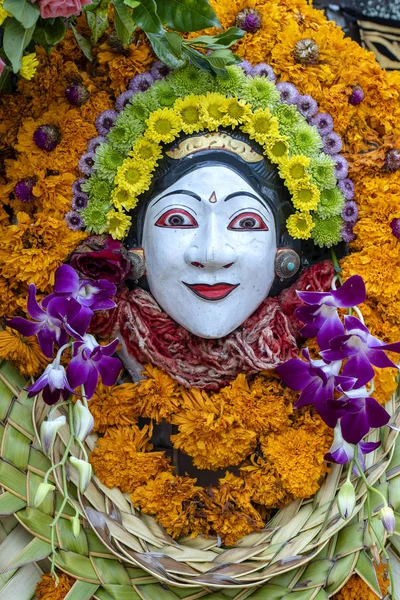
323, 122
76, 186
357, 95
350, 212
347, 187
47, 137
288, 92
86, 163
23, 189
74, 220
341, 166
76, 93
159, 70
80, 201
347, 233
248, 20
392, 159
307, 106
141, 82
264, 70
332, 143
395, 225
123, 100
247, 67
95, 142
105, 121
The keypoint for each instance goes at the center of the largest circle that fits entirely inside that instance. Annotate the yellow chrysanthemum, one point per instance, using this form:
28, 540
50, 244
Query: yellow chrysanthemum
147, 151
213, 110
163, 125
189, 109
118, 224
262, 126
123, 199
299, 225
306, 198
134, 176
3, 13
237, 112
293, 170
277, 149
29, 64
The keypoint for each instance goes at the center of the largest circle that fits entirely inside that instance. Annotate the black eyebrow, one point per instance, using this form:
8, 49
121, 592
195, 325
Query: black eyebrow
248, 194
184, 192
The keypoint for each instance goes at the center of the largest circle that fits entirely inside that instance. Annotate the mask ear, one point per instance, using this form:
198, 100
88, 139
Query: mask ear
287, 263
136, 257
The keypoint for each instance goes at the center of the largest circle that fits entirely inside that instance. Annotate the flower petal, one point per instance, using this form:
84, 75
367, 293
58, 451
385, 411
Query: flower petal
331, 328
377, 415
360, 367
25, 327
315, 297
66, 280
109, 369
34, 310
77, 371
367, 447
351, 293
379, 359
91, 382
295, 373
355, 427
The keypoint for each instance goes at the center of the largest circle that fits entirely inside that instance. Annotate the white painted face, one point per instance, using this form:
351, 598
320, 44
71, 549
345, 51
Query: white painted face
209, 245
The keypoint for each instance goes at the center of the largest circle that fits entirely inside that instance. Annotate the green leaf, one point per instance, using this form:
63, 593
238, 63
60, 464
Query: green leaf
56, 32
146, 17
98, 20
83, 43
132, 3
123, 21
226, 38
23, 10
15, 40
165, 51
175, 42
187, 15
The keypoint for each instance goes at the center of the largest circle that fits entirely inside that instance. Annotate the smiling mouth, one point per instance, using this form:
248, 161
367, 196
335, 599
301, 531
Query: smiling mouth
218, 291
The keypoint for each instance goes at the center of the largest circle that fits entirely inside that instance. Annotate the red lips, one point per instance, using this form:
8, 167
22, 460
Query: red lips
212, 292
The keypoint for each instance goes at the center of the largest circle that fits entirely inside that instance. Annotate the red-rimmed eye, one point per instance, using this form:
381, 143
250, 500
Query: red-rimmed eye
248, 221
177, 218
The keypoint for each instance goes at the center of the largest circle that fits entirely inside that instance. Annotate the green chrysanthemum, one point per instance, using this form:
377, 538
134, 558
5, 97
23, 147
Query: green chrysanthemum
163, 93
260, 92
106, 162
125, 132
233, 82
331, 203
100, 190
140, 106
95, 216
288, 117
306, 140
326, 232
322, 170
190, 80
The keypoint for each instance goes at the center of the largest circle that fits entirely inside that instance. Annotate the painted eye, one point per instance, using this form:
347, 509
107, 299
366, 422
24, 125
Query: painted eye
247, 222
177, 218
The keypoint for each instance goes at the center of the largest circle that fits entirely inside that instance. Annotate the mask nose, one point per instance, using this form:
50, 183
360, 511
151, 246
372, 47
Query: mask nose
210, 249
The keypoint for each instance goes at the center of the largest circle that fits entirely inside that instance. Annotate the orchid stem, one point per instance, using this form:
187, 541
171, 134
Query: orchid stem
83, 394
336, 264
82, 447
65, 492
370, 524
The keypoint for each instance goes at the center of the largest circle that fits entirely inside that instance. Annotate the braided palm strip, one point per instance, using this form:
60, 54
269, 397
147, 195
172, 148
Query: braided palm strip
306, 551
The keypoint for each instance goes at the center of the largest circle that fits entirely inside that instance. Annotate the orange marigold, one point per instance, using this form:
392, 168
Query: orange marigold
32, 250
265, 484
120, 458
168, 498
115, 405
23, 352
47, 589
158, 395
357, 589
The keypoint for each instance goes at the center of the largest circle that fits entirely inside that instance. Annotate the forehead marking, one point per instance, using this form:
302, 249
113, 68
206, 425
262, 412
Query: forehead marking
212, 198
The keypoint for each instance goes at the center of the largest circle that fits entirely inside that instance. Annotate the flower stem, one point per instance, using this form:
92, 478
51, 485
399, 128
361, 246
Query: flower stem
371, 525
83, 394
82, 447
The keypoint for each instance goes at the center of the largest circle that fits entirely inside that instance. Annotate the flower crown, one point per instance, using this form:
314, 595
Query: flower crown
120, 161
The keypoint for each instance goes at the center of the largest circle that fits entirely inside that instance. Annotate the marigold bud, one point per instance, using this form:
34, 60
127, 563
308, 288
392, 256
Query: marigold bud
346, 499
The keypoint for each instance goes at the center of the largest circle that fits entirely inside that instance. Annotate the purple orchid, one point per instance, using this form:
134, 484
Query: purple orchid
94, 295
361, 349
53, 384
91, 360
320, 317
342, 452
317, 380
49, 325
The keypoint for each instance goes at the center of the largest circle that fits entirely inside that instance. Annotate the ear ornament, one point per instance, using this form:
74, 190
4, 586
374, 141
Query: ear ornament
287, 263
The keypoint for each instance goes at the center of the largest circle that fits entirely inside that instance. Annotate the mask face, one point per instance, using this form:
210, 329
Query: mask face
210, 244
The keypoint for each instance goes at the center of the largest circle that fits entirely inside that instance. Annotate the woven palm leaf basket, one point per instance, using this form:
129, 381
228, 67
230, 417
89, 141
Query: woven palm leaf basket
95, 541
